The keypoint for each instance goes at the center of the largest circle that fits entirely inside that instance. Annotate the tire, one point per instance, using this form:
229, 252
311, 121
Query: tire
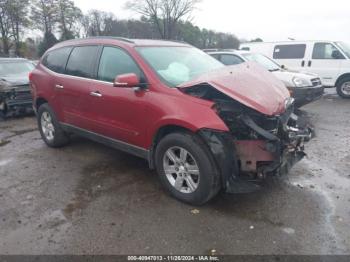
344, 83
51, 131
194, 189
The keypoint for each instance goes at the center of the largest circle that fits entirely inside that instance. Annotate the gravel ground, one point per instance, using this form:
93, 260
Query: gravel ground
90, 199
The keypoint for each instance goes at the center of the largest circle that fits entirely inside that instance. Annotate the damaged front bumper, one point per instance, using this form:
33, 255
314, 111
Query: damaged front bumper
245, 162
15, 99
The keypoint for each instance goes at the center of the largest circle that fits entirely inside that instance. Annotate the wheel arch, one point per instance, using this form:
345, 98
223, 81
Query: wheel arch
159, 134
40, 101
340, 78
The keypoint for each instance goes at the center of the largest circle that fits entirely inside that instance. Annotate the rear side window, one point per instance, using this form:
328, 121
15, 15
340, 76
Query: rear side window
323, 51
81, 61
289, 51
56, 60
230, 59
114, 62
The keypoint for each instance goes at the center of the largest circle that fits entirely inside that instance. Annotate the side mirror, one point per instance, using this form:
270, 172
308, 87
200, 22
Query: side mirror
283, 66
337, 55
126, 81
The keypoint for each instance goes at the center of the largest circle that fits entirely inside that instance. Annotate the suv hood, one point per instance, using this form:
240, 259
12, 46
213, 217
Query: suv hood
249, 84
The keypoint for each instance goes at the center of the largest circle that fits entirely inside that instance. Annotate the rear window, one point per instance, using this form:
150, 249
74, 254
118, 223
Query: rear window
289, 51
81, 61
56, 60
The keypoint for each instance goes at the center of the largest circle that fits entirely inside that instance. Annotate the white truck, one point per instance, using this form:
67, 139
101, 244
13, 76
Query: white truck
328, 59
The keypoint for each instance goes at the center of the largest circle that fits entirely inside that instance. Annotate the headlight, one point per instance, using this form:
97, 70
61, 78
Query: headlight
300, 82
288, 102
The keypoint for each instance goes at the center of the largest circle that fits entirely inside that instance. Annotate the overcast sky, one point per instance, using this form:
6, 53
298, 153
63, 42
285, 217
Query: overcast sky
271, 20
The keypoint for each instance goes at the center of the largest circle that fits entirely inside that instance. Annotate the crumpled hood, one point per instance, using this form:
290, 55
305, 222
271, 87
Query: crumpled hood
9, 83
249, 84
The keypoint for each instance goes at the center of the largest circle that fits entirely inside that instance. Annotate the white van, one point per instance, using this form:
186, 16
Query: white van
330, 60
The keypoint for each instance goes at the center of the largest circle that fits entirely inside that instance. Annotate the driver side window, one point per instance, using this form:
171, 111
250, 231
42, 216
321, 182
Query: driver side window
323, 51
115, 61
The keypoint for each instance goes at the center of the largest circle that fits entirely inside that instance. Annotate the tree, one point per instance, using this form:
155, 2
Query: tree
95, 22
45, 18
256, 40
18, 16
164, 14
5, 26
68, 15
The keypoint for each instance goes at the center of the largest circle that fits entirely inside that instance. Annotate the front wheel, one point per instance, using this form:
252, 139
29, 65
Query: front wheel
343, 88
186, 168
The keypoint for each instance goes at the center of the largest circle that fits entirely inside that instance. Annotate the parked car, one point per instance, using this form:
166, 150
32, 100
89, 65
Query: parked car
203, 126
14, 85
328, 59
303, 87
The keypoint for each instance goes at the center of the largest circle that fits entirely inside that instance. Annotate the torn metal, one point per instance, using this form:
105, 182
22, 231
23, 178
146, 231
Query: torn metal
257, 146
14, 98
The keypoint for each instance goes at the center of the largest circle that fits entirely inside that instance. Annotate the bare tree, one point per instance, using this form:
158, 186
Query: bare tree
5, 26
18, 15
68, 16
44, 15
97, 23
164, 14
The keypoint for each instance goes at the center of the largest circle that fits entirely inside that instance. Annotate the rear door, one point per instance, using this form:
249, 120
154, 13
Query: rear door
323, 63
74, 86
291, 56
55, 61
118, 113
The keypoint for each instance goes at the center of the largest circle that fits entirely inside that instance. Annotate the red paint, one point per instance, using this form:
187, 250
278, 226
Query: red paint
135, 117
250, 84
251, 152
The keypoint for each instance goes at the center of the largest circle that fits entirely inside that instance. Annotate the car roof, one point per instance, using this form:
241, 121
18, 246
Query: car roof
236, 52
120, 41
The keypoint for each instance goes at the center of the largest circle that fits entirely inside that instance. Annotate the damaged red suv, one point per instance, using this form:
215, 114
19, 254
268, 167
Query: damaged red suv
204, 127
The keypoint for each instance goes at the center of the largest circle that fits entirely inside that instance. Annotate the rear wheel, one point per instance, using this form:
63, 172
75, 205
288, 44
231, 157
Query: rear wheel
50, 129
186, 168
343, 88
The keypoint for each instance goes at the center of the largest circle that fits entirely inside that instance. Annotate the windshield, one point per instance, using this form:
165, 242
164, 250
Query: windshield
15, 69
262, 60
345, 47
177, 65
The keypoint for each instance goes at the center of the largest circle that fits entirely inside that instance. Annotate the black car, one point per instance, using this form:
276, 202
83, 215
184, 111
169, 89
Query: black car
15, 93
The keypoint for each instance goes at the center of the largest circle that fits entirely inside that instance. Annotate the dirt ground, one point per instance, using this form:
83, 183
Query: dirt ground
90, 199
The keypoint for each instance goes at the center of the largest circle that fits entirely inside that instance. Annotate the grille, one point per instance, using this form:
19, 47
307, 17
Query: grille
316, 82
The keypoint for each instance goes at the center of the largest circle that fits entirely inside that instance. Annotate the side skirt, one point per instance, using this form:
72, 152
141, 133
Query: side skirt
119, 145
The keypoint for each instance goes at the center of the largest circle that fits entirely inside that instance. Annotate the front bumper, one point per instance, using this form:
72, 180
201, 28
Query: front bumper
306, 95
244, 162
16, 100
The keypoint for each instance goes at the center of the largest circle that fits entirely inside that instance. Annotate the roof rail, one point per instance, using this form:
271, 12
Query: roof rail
111, 37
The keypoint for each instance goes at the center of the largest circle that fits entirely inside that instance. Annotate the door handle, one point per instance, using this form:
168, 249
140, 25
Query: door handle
59, 86
96, 94
309, 63
303, 63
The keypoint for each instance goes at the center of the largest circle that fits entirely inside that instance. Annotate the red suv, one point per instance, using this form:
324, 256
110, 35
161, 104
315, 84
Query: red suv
203, 126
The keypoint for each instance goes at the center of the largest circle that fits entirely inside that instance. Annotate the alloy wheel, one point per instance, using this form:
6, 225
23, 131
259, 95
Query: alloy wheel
181, 170
47, 126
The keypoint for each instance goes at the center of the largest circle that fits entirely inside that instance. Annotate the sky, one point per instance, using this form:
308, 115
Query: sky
271, 20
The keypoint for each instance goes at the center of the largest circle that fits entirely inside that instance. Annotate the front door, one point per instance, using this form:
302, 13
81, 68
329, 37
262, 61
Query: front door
118, 113
324, 64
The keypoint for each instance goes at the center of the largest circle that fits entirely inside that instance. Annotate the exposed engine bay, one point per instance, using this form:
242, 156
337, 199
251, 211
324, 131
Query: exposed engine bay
262, 145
